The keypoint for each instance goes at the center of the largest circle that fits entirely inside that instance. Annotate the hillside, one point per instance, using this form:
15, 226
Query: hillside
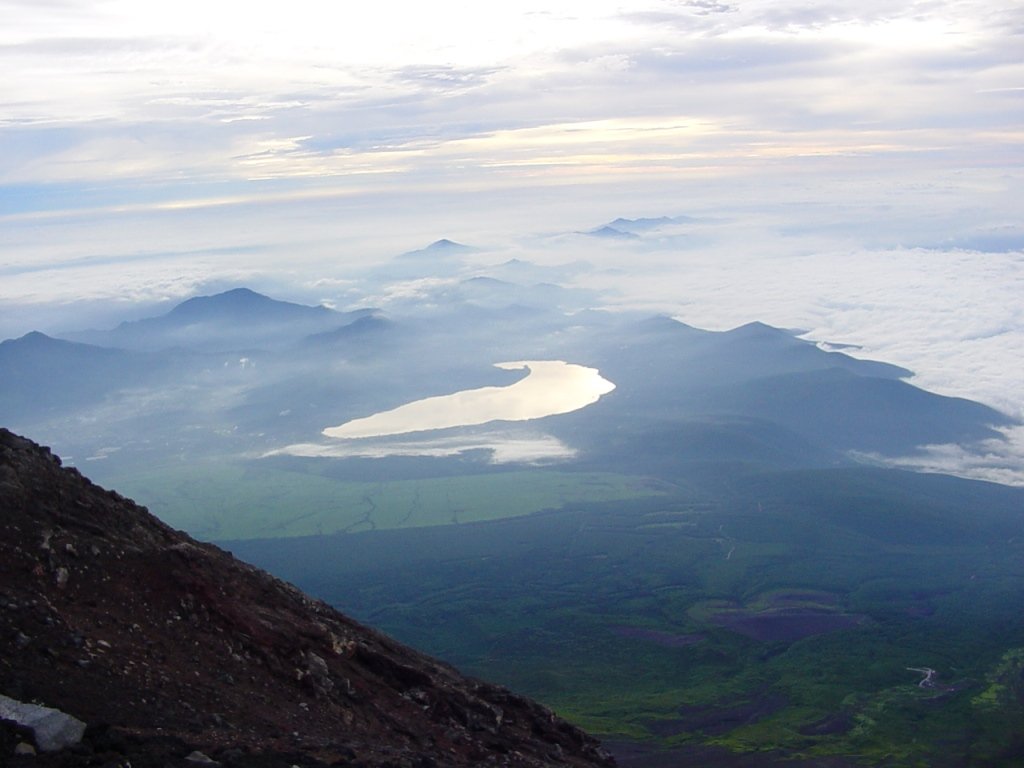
164, 646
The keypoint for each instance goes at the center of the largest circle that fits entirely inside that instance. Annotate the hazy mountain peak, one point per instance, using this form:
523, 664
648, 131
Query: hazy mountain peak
438, 253
444, 244
665, 323
486, 280
30, 339
611, 233
647, 224
240, 295
236, 319
367, 324
237, 301
759, 330
37, 341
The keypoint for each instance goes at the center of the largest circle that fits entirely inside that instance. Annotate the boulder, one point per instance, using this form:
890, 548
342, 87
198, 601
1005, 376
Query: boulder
52, 729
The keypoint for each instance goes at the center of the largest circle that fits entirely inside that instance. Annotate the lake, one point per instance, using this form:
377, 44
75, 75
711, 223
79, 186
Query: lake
550, 387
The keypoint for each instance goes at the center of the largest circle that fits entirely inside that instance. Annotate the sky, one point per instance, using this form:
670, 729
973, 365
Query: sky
852, 170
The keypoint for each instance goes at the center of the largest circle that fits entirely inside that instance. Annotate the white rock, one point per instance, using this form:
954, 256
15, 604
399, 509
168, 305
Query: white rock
53, 729
200, 759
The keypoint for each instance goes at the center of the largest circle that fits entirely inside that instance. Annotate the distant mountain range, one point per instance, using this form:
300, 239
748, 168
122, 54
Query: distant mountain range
652, 223
41, 376
609, 232
230, 320
667, 372
667, 375
633, 229
442, 248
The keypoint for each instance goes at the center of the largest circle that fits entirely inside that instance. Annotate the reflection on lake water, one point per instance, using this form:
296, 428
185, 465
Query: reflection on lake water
551, 387
502, 447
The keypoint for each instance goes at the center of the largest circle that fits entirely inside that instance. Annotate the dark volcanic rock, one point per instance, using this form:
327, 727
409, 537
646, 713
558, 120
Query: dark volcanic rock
165, 647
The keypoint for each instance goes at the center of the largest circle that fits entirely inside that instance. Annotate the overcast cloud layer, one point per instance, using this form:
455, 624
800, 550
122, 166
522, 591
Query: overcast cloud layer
850, 169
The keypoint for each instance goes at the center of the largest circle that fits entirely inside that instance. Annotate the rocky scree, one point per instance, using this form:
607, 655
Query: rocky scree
176, 654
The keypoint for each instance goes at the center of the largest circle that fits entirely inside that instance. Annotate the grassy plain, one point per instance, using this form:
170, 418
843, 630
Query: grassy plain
633, 617
232, 500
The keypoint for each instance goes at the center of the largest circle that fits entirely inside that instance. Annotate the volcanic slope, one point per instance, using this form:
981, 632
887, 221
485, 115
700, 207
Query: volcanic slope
164, 646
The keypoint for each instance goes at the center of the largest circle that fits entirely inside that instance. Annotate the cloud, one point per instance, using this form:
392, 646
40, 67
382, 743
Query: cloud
996, 461
855, 167
503, 448
951, 316
444, 78
150, 100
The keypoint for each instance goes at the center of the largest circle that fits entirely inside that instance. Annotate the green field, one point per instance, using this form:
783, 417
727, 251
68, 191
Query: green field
749, 612
223, 500
786, 616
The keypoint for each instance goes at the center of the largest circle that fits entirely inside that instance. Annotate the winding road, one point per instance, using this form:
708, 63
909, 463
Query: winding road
929, 676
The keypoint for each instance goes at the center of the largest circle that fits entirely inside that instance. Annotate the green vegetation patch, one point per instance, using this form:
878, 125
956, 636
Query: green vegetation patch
773, 621
221, 500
